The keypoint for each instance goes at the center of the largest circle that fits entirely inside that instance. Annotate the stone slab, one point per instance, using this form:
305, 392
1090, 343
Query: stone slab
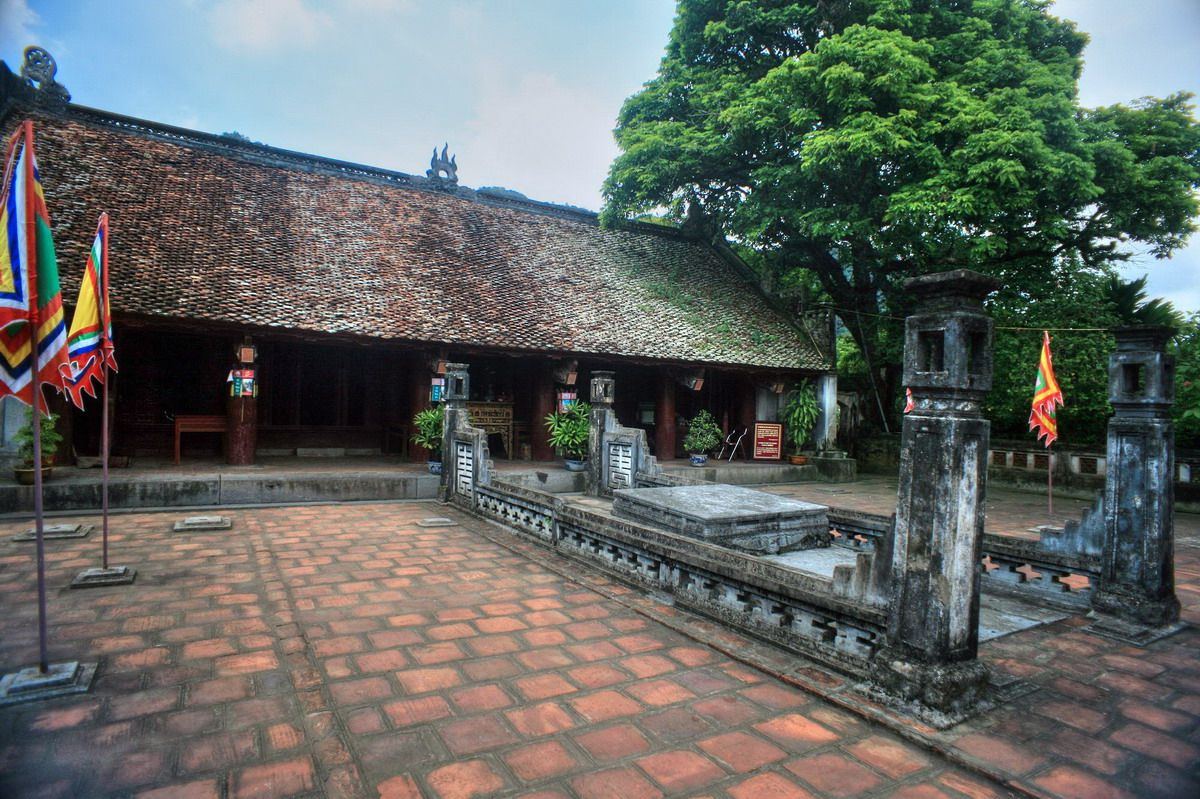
1128, 632
99, 578
733, 516
61, 679
1003, 615
51, 532
202, 523
820, 561
437, 521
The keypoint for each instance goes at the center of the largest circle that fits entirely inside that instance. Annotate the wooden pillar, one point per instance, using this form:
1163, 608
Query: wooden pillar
418, 400
664, 418
543, 406
747, 403
241, 408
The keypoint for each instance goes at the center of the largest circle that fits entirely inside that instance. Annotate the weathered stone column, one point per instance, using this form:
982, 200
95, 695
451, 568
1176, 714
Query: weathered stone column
825, 432
1137, 575
454, 410
664, 418
543, 406
602, 395
241, 407
933, 614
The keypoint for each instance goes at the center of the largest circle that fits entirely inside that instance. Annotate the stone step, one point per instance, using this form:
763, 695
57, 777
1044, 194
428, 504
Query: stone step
166, 491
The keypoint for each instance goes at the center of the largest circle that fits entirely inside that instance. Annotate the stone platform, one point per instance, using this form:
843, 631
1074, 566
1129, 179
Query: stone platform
732, 516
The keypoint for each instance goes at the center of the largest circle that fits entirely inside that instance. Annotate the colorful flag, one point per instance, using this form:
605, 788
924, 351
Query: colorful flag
28, 272
1046, 395
89, 342
909, 403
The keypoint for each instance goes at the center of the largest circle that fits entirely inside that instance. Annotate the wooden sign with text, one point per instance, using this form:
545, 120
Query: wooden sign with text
768, 441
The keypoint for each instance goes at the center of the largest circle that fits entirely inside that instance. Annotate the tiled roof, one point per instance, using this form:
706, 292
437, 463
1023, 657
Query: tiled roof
244, 234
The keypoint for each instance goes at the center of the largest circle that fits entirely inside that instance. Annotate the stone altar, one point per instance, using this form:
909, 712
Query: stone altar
732, 516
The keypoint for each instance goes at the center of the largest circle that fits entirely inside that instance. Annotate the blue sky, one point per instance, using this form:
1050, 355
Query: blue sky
525, 91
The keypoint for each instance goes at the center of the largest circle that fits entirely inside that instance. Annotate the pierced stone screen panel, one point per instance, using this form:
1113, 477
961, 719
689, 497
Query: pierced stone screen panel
464, 467
620, 465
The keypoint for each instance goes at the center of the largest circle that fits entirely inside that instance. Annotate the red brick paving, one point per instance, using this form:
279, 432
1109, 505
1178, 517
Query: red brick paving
344, 651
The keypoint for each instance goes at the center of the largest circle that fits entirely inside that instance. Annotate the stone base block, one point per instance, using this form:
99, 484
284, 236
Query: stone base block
941, 695
61, 679
1130, 632
51, 532
99, 578
201, 523
732, 516
835, 469
437, 521
1136, 611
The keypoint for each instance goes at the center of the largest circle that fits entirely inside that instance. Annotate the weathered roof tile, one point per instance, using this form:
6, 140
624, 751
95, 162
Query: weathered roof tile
202, 232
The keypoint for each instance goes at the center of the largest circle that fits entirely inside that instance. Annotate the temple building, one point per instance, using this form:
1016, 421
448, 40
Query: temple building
331, 294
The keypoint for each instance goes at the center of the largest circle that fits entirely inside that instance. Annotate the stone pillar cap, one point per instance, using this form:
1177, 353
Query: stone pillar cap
956, 288
1142, 337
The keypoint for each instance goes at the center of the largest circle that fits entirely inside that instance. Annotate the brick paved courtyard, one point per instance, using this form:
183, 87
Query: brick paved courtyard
343, 650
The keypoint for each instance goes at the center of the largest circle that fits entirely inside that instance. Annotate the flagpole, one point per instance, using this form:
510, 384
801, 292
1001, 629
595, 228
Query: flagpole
105, 346
35, 415
1050, 482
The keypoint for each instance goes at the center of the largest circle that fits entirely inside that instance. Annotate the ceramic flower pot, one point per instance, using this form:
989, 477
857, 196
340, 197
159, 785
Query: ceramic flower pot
24, 474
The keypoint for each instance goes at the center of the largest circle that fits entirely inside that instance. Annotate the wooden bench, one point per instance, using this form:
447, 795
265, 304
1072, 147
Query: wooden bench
198, 424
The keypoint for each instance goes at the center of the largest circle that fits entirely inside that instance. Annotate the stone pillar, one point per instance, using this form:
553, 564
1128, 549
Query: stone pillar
418, 400
543, 406
825, 431
664, 418
241, 407
454, 410
1137, 575
458, 390
602, 396
933, 610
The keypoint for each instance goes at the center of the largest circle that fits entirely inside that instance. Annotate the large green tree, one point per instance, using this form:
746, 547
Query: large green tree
869, 141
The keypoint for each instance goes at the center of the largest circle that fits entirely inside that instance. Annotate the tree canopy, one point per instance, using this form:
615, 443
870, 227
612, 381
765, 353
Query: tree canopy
869, 141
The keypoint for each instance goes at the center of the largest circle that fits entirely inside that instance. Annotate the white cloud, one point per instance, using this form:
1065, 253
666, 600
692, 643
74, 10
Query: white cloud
539, 137
17, 21
267, 25
379, 6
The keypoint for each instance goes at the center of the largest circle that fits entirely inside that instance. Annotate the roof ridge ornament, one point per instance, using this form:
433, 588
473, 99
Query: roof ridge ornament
443, 168
40, 68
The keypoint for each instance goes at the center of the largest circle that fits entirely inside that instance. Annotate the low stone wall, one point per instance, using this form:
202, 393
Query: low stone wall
841, 621
157, 491
1062, 568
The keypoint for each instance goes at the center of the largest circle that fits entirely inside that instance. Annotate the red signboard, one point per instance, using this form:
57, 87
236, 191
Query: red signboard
768, 441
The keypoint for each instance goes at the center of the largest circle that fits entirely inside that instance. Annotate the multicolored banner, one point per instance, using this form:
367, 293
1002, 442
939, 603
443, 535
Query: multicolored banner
89, 342
31, 311
1046, 396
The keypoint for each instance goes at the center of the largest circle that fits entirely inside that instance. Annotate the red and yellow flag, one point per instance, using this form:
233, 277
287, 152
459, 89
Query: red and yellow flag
31, 314
1046, 396
89, 342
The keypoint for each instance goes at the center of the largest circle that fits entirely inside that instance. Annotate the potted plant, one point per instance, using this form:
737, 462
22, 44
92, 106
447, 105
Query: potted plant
568, 431
51, 438
799, 415
428, 427
703, 435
